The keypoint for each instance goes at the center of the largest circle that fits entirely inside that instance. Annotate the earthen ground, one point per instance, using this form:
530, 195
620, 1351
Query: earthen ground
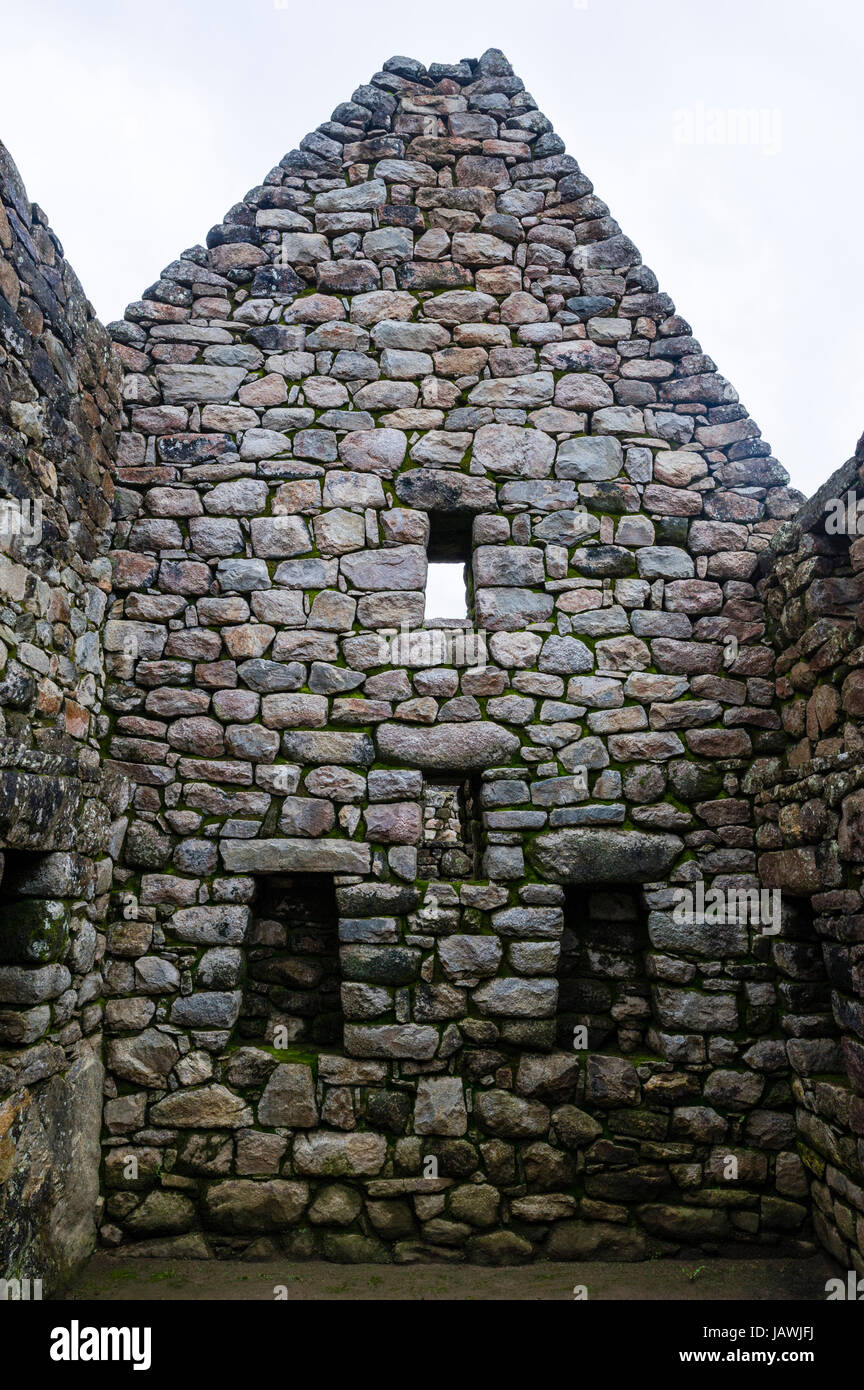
120, 1279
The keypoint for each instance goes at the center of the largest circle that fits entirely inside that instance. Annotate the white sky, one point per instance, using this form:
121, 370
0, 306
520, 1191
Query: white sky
445, 591
137, 125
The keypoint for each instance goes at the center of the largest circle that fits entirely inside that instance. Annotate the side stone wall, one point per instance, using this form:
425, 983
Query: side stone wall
424, 316
810, 831
59, 423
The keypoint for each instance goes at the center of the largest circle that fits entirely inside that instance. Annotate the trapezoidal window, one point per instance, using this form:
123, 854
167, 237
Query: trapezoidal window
601, 969
449, 553
32, 932
813, 976
293, 980
451, 833
24, 874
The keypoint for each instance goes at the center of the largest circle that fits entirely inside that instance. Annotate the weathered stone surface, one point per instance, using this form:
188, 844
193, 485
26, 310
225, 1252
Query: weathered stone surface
574, 1128
324, 1154
702, 1013
335, 1205
209, 1009
206, 1107
472, 956
518, 998
611, 1081
198, 383
553, 1076
144, 1060
439, 490
289, 1098
294, 856
499, 1112
162, 1213
463, 746
210, 925
34, 932
604, 856
440, 1106
20, 985
392, 1040
598, 1240
589, 459
243, 1207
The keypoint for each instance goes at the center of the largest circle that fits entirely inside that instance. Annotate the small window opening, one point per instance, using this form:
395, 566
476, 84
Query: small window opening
293, 977
449, 553
451, 833
445, 592
601, 970
32, 932
812, 977
24, 874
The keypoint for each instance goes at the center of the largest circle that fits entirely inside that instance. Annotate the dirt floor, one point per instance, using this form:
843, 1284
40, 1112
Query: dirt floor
111, 1278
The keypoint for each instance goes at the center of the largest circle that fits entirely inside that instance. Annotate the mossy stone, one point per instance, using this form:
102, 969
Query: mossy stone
670, 530
33, 932
694, 781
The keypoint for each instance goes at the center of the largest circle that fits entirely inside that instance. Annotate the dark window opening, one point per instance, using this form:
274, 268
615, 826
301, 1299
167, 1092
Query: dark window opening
32, 932
451, 832
23, 874
808, 972
293, 980
449, 554
601, 970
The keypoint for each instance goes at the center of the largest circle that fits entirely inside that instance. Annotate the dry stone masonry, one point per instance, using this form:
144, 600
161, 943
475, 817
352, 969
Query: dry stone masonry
390, 967
60, 420
809, 816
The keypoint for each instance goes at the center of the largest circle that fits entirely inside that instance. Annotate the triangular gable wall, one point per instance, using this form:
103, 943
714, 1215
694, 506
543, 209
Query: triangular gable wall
425, 318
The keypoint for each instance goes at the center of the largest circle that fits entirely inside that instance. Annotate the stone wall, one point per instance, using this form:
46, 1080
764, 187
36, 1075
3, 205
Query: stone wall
425, 320
59, 422
379, 924
810, 831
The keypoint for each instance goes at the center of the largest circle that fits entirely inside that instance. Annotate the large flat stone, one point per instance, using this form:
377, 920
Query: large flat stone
295, 856
205, 1107
594, 1240
441, 490
518, 998
325, 1154
460, 747
243, 1207
402, 567
199, 383
604, 856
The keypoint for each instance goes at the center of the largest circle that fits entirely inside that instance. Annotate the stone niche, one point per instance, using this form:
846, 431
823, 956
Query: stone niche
450, 847
34, 923
601, 969
292, 963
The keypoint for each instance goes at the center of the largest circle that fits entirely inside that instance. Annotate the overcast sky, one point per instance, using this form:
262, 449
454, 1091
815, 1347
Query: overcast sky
137, 125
